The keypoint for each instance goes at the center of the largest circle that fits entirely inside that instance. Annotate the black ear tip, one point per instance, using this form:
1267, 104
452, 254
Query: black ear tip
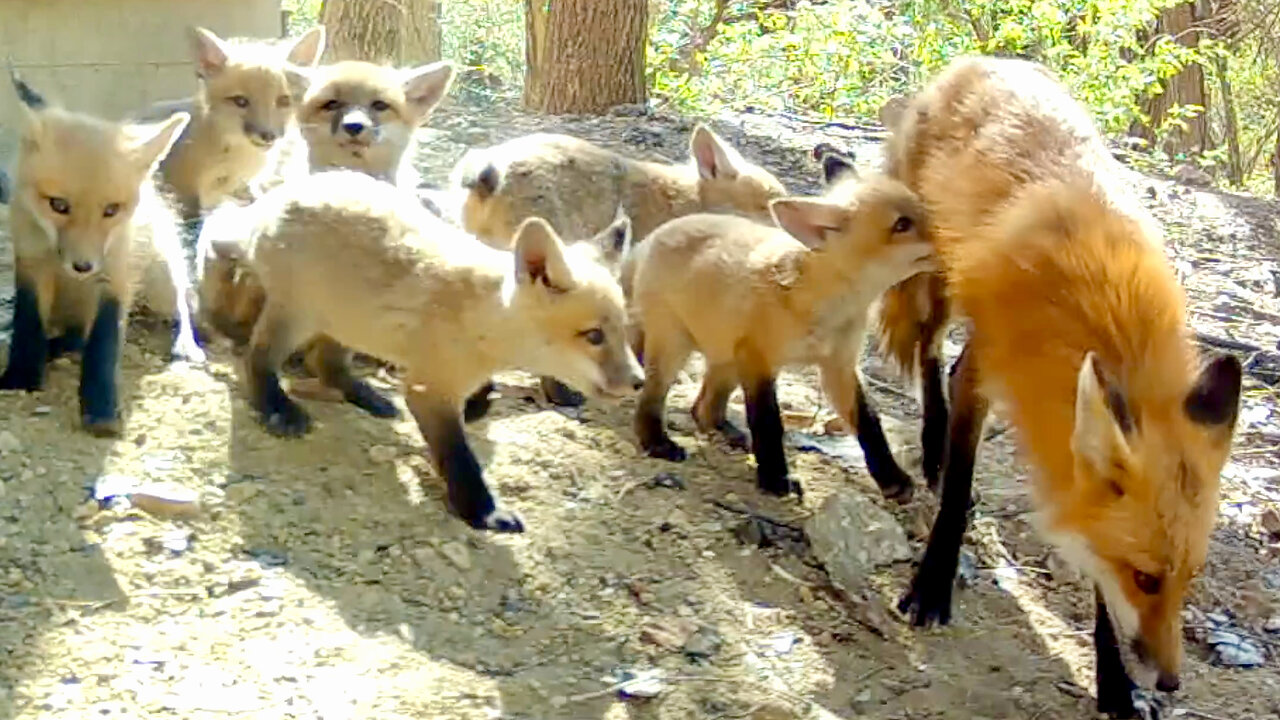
1215, 399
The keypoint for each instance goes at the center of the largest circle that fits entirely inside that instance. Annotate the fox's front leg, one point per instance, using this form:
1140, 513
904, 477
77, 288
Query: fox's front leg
100, 369
29, 343
469, 494
275, 337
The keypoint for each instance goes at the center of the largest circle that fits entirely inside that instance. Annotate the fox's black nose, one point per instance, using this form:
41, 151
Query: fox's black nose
353, 128
267, 136
82, 266
1168, 682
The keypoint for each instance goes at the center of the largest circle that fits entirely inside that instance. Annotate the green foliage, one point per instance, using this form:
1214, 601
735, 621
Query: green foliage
842, 59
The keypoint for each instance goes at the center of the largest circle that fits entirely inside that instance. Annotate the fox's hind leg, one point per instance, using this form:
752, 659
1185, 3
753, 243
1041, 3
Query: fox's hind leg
665, 353
929, 598
709, 410
331, 363
933, 434
275, 336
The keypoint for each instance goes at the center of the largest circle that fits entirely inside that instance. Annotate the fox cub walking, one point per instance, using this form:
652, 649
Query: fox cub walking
89, 231
244, 106
755, 299
1079, 330
358, 260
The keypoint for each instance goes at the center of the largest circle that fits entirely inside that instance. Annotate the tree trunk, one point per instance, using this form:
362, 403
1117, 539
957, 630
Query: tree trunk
1180, 23
397, 32
584, 56
1235, 159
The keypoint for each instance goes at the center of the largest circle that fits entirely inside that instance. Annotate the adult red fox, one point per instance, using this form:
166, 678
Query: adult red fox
1078, 330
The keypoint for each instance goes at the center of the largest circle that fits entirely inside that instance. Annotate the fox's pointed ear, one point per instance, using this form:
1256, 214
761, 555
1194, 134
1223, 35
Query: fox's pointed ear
306, 51
210, 52
614, 241
835, 163
151, 142
540, 256
426, 86
714, 157
1215, 398
1101, 423
32, 104
808, 219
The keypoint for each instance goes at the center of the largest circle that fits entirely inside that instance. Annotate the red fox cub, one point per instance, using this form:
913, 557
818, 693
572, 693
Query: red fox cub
244, 106
577, 186
353, 115
89, 229
755, 299
361, 261
1078, 329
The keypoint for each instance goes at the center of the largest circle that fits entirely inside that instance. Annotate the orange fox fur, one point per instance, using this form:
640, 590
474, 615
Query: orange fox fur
1078, 331
577, 186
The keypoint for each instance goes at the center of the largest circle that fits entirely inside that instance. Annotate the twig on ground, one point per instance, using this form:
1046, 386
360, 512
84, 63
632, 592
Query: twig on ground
756, 516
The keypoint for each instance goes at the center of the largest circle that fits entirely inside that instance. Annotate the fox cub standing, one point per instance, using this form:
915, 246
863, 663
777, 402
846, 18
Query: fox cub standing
361, 261
353, 115
243, 108
578, 187
755, 299
1079, 330
89, 228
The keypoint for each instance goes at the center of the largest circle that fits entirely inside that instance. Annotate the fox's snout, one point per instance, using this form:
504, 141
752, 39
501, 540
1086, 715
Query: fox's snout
260, 134
623, 376
1165, 669
354, 123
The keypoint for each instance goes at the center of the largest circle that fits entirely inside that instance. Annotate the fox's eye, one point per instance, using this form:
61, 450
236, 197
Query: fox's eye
1149, 584
59, 205
379, 106
284, 101
330, 106
239, 101
110, 210
595, 336
903, 224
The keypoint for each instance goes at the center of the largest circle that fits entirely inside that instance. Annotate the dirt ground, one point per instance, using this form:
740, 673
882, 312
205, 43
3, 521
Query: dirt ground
323, 578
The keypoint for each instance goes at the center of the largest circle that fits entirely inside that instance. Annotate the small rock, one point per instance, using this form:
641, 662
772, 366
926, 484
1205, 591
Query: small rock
780, 644
1272, 625
668, 633
42, 410
382, 454
667, 480
166, 500
629, 110
1271, 522
268, 557
457, 555
703, 644
1232, 650
9, 443
1189, 174
642, 684
852, 536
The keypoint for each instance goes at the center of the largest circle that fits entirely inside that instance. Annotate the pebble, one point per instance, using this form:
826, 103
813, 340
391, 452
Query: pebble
1271, 522
9, 443
853, 536
1232, 650
703, 644
166, 500
457, 555
668, 633
1272, 625
382, 454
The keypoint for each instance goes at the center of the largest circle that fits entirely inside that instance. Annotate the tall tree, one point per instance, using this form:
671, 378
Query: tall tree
584, 56
399, 32
1182, 24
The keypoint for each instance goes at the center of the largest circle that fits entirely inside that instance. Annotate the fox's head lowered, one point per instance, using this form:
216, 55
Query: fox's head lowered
81, 178
1145, 500
248, 88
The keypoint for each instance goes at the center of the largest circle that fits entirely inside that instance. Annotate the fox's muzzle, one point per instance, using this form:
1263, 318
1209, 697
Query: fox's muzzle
260, 134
